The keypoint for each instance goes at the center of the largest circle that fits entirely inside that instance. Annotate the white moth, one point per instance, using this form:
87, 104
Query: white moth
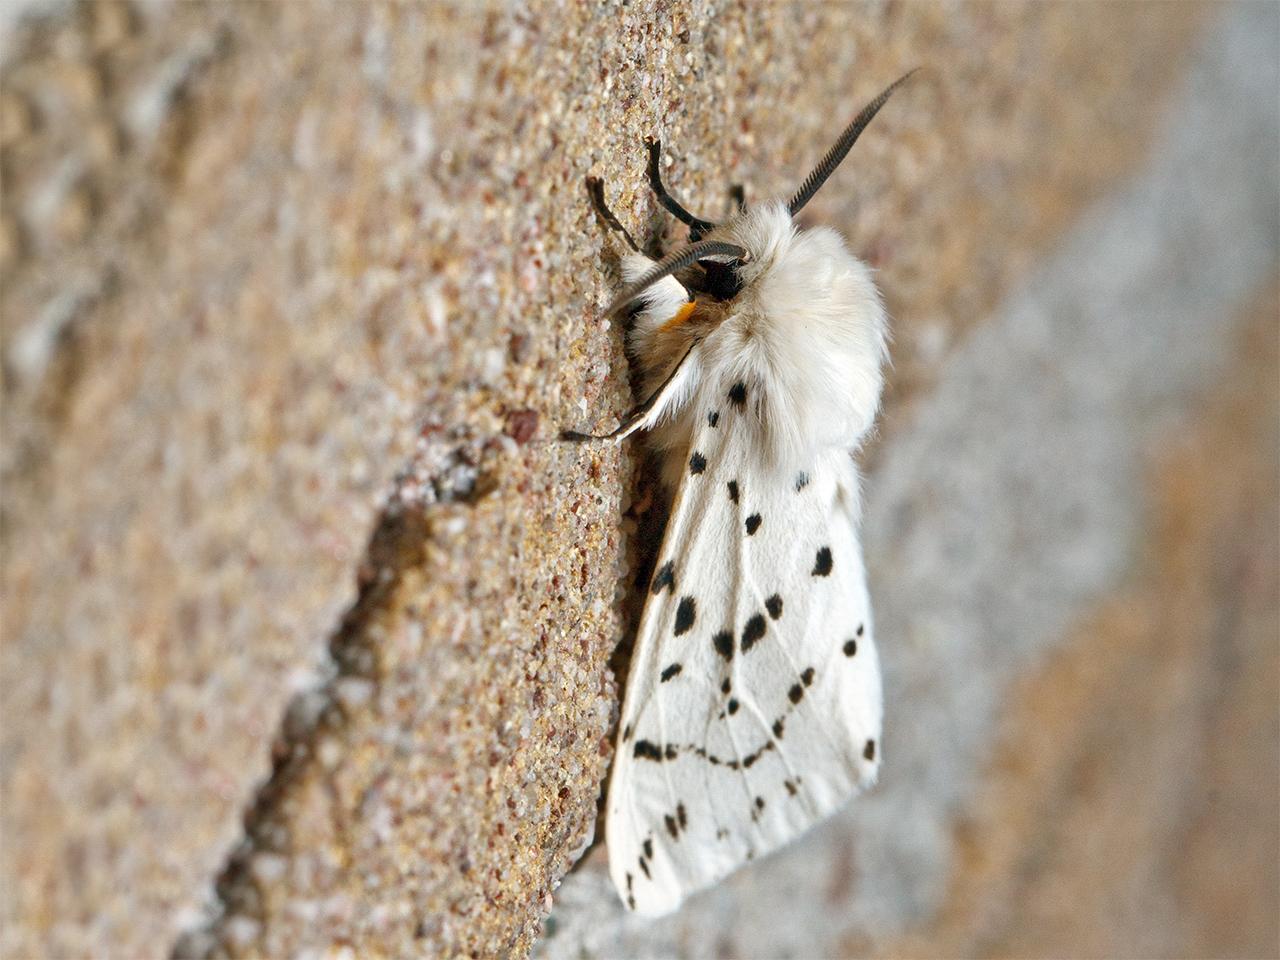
753, 708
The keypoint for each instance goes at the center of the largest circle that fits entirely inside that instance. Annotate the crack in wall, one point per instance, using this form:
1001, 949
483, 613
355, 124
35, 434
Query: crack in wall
309, 737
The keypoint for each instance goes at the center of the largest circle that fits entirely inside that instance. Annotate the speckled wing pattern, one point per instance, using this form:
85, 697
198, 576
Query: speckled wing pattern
754, 705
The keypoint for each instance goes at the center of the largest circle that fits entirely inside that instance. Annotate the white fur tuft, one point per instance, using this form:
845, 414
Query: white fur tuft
807, 332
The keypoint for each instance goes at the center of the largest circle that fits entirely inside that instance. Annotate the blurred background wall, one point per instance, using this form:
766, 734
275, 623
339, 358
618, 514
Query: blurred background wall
307, 617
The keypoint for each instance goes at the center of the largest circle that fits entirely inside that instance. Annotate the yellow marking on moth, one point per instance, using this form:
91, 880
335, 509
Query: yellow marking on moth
683, 314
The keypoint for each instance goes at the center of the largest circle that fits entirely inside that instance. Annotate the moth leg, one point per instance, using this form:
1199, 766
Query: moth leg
643, 415
697, 226
595, 190
629, 425
738, 195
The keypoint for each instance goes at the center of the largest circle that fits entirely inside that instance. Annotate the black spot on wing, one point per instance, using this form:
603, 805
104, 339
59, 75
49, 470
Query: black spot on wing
713, 418
697, 463
850, 647
807, 677
869, 751
793, 786
733, 490
626, 733
676, 822
778, 728
796, 693
648, 750
665, 577
861, 629
672, 671
752, 632
774, 606
802, 481
725, 685
724, 644
753, 524
822, 563
733, 707
746, 761
686, 612
738, 394
646, 856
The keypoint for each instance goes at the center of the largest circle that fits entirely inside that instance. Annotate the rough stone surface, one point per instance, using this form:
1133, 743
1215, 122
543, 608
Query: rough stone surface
308, 618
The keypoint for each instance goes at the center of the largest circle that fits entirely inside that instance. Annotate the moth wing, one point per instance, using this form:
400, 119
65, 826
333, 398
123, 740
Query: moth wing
753, 705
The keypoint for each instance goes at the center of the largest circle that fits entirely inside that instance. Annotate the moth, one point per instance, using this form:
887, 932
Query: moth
753, 706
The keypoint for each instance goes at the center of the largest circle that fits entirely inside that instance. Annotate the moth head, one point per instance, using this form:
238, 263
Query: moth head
725, 264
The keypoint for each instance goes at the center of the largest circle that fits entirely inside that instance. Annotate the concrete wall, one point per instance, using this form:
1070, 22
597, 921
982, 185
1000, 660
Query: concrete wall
308, 618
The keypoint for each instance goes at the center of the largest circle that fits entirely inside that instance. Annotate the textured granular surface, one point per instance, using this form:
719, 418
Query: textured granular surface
308, 616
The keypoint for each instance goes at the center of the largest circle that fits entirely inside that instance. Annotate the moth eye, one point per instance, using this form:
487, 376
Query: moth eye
721, 279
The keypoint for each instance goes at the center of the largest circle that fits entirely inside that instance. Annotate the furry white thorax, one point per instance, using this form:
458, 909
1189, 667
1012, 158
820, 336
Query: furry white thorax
806, 333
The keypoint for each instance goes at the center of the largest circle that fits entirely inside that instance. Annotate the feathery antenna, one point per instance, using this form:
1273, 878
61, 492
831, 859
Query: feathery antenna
837, 153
